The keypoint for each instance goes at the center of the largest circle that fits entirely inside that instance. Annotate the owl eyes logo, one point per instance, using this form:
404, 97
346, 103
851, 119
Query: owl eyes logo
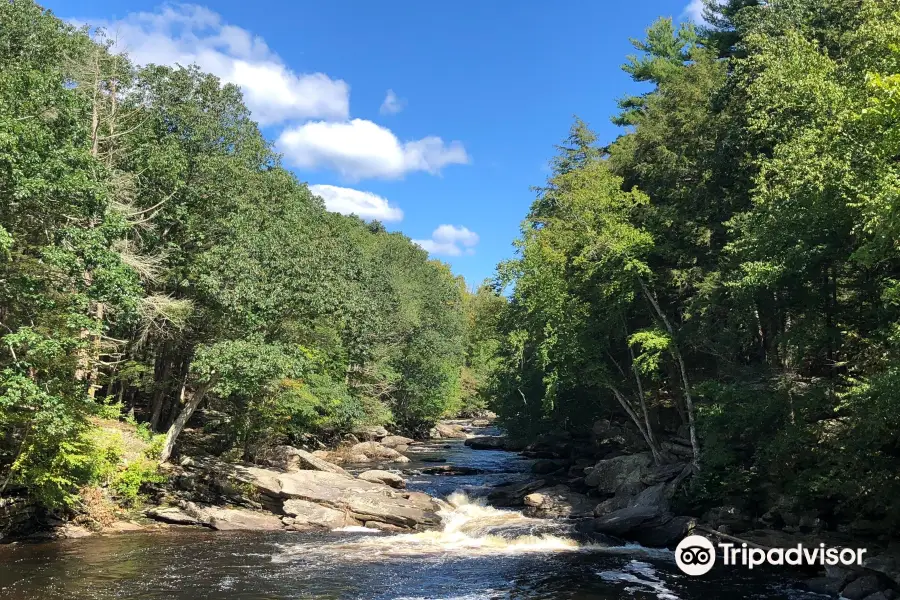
695, 555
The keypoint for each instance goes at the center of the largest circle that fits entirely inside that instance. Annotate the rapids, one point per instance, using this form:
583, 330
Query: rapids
479, 553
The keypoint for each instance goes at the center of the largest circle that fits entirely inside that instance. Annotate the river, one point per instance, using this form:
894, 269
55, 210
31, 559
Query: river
480, 553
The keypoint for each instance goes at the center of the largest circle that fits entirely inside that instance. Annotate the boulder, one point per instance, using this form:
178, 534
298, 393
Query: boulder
385, 477
557, 502
731, 517
393, 441
448, 430
481, 423
172, 515
377, 452
645, 524
860, 588
663, 532
234, 519
305, 514
384, 527
609, 475
546, 465
493, 442
372, 433
624, 520
288, 458
662, 473
513, 494
364, 500
611, 505
887, 565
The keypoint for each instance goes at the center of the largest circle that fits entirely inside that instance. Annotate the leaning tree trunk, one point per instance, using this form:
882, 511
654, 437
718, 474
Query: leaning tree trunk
688, 400
178, 426
647, 435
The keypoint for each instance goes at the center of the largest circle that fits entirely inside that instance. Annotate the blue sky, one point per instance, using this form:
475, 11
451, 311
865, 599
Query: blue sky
436, 117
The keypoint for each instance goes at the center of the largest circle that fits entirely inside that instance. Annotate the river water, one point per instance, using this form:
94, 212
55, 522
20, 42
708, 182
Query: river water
480, 553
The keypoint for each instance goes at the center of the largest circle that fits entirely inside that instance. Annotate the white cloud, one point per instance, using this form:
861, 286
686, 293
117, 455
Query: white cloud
348, 201
359, 149
187, 34
694, 11
450, 240
392, 104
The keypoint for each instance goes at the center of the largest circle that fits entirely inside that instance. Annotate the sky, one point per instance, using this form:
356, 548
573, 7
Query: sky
436, 118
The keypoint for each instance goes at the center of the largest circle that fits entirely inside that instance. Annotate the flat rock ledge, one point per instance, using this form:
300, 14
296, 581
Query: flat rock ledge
273, 499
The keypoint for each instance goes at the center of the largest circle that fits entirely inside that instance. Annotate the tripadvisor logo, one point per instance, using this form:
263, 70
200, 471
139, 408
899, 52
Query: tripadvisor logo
696, 555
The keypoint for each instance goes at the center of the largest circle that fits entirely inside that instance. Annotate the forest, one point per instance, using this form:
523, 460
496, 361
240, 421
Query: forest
728, 267
156, 258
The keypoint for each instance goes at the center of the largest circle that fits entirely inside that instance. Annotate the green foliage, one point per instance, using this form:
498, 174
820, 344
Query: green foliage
155, 253
737, 245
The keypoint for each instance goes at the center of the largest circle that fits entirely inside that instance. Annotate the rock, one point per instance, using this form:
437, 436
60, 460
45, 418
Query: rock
557, 502
611, 505
824, 585
662, 473
372, 433
481, 423
729, 516
677, 450
624, 520
879, 596
392, 441
305, 514
288, 458
886, 564
513, 494
608, 475
235, 519
365, 501
493, 442
451, 470
448, 430
173, 515
123, 527
385, 477
656, 497
534, 499
663, 532
384, 527
860, 588
71, 531
362, 500
377, 452
545, 466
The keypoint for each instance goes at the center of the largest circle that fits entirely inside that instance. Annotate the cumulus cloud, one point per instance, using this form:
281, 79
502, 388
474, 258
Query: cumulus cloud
694, 11
186, 34
392, 104
361, 149
450, 240
348, 201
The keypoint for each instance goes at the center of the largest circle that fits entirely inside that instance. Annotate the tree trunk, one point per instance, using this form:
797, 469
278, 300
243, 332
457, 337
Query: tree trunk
688, 400
657, 457
178, 426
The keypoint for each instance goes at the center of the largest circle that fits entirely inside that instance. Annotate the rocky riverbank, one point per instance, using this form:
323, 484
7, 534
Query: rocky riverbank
612, 487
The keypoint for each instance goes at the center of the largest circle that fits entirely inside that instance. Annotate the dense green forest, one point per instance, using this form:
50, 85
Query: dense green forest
730, 263
728, 268
156, 258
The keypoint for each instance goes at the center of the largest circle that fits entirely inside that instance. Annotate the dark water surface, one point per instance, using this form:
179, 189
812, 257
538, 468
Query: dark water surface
482, 553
